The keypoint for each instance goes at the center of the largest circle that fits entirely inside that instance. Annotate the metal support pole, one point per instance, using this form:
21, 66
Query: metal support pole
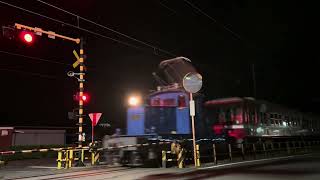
242, 151
230, 152
254, 151
214, 154
264, 149
192, 114
288, 148
92, 132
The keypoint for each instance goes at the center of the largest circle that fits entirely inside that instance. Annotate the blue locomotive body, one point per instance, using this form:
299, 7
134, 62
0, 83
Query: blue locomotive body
165, 113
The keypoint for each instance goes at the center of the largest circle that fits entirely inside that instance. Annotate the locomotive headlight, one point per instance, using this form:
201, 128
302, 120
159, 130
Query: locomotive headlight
134, 101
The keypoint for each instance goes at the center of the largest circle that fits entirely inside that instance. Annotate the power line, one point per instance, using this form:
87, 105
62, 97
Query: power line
168, 8
107, 28
76, 27
34, 58
214, 20
31, 73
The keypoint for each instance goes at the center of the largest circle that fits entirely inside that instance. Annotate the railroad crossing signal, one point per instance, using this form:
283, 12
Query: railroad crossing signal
81, 79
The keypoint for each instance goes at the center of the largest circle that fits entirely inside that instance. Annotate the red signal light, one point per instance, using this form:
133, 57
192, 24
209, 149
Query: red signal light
84, 98
27, 37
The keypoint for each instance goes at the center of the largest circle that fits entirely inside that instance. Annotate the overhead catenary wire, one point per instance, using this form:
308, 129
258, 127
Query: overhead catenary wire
236, 35
34, 58
86, 30
30, 73
107, 28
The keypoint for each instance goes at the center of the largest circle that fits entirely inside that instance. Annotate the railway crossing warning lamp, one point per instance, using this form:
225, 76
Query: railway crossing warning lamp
192, 83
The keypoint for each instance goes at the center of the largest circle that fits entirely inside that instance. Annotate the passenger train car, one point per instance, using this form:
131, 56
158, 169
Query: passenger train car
245, 118
165, 116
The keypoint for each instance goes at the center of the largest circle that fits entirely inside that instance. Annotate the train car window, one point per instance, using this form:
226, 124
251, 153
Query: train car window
238, 116
222, 117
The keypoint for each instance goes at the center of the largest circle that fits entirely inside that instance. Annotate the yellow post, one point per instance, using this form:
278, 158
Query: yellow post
198, 155
70, 158
92, 158
82, 155
66, 158
181, 159
164, 159
59, 160
96, 158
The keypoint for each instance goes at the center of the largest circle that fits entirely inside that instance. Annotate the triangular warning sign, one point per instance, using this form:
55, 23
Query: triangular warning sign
95, 117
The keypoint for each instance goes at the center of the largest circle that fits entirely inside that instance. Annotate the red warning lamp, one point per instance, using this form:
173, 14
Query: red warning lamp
85, 97
27, 37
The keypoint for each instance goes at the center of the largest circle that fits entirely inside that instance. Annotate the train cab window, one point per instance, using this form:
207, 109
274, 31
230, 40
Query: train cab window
169, 102
155, 102
182, 101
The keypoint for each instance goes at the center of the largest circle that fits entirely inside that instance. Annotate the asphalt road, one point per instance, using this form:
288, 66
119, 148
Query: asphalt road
298, 167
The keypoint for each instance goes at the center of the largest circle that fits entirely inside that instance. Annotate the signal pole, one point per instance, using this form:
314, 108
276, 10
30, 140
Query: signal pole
80, 61
81, 90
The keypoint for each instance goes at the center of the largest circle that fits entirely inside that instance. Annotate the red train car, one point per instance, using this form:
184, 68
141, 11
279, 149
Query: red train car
245, 118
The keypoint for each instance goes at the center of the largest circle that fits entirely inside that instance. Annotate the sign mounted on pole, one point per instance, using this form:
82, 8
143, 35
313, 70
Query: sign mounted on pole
192, 83
94, 119
75, 64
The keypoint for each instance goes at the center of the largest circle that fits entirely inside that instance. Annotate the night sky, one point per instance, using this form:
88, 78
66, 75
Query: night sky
276, 37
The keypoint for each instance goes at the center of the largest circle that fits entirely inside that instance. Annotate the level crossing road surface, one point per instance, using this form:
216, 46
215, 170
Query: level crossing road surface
294, 167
